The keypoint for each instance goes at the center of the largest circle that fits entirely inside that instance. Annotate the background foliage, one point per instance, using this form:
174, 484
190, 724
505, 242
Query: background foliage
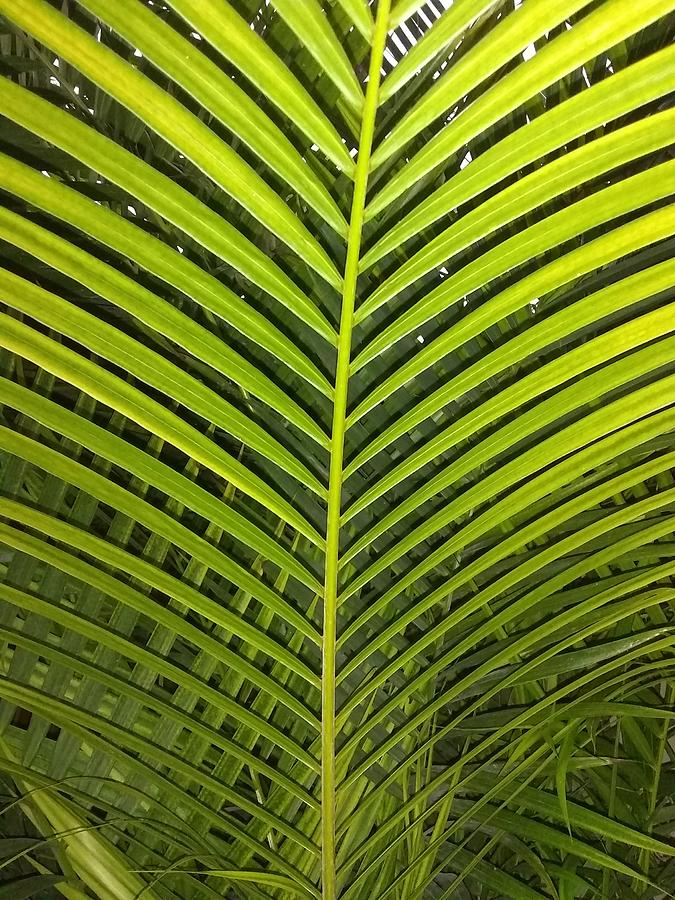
188, 195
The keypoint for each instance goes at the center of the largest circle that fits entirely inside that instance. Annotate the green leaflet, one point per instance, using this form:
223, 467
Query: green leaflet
596, 352
140, 510
359, 13
219, 24
637, 84
312, 28
120, 235
600, 30
217, 93
149, 367
153, 312
63, 616
54, 708
533, 190
509, 37
568, 320
448, 28
161, 707
568, 223
505, 616
123, 561
150, 470
174, 123
100, 384
628, 409
161, 194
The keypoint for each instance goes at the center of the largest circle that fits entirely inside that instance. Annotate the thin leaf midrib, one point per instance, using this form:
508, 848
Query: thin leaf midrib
333, 526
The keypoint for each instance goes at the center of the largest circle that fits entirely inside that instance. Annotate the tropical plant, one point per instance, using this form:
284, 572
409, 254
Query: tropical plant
338, 428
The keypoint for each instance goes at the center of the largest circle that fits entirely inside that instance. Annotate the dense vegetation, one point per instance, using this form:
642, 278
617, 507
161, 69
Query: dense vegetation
337, 434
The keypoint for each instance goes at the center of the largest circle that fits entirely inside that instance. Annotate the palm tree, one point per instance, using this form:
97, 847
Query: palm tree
338, 429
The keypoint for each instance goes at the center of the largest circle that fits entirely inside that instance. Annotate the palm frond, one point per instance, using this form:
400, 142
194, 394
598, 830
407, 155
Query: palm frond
337, 507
